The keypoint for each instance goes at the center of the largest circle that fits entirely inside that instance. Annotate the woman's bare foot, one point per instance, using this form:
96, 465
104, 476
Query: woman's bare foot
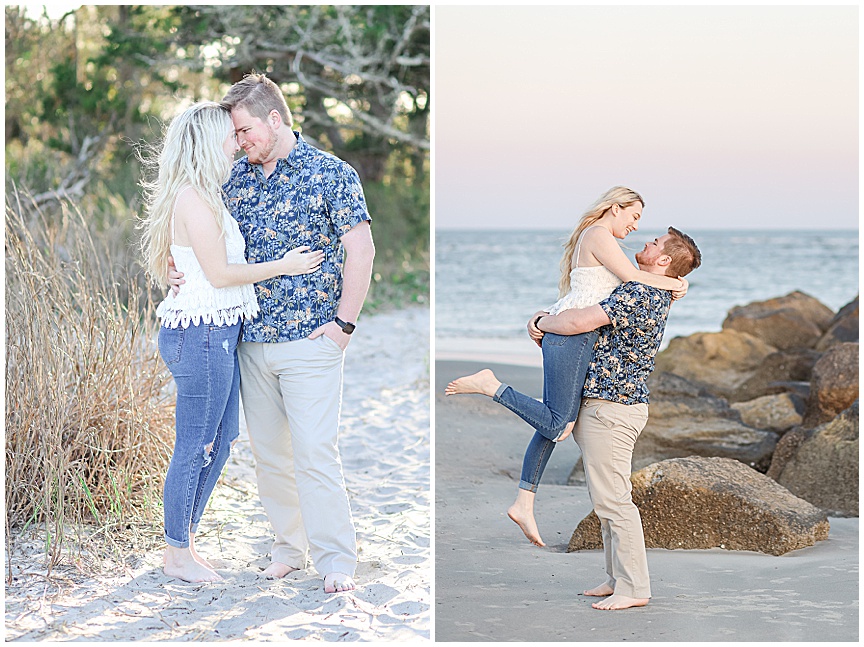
195, 554
483, 382
600, 591
180, 563
615, 602
522, 512
338, 582
567, 431
277, 570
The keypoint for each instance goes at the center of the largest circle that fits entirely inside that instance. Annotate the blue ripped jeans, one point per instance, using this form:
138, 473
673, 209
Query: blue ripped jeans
203, 361
565, 363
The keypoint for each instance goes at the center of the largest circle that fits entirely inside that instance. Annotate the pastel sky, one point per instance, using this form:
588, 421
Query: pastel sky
721, 117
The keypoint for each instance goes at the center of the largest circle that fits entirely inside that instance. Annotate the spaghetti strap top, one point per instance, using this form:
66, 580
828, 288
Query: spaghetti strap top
174, 219
174, 212
588, 285
579, 246
198, 301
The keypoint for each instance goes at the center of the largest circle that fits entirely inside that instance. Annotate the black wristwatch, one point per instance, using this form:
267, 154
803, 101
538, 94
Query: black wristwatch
346, 327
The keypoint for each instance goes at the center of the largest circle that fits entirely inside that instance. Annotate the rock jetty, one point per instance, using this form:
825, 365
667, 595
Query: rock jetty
776, 390
821, 465
701, 502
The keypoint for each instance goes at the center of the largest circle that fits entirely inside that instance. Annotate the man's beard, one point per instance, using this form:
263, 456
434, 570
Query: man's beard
262, 155
645, 258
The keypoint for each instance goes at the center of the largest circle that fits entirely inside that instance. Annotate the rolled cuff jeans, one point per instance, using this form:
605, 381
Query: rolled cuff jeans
203, 361
565, 364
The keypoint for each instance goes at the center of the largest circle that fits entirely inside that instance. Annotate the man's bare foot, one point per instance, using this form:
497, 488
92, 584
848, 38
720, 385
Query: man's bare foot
338, 582
179, 563
483, 382
600, 591
522, 512
615, 602
567, 431
277, 570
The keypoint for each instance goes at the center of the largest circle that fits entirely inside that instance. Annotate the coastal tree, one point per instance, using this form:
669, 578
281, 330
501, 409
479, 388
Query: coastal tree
355, 76
84, 84
85, 87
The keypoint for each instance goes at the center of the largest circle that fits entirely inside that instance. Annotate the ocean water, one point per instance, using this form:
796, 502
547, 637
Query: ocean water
487, 284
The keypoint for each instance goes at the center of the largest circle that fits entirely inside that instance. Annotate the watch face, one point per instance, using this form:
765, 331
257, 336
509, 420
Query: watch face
346, 327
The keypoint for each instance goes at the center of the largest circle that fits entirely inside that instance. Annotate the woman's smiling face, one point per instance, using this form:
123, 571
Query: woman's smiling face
626, 219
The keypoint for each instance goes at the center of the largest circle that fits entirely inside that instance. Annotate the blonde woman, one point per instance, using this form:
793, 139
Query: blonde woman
186, 219
592, 266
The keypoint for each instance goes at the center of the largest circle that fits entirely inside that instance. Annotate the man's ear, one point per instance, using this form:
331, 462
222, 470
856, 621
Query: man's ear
664, 261
275, 118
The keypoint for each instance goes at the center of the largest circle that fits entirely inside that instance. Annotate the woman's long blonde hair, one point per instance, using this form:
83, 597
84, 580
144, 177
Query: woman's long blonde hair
616, 195
192, 155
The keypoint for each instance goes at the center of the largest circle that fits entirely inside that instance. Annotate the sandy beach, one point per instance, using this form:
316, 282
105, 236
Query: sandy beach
493, 585
384, 441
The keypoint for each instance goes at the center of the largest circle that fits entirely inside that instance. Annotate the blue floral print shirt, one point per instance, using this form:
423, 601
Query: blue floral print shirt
624, 353
311, 198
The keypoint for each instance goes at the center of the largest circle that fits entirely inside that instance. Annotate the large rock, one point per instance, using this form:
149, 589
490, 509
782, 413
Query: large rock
772, 412
714, 502
786, 449
723, 437
685, 419
720, 361
796, 320
834, 383
780, 372
844, 327
674, 395
821, 465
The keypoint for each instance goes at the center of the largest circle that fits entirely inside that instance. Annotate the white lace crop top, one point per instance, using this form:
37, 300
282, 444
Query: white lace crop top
198, 300
588, 285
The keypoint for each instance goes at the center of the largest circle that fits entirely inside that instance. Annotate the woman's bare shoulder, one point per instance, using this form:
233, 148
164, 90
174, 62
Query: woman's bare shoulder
188, 199
597, 235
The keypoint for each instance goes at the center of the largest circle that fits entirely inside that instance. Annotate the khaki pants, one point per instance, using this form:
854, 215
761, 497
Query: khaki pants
291, 393
606, 433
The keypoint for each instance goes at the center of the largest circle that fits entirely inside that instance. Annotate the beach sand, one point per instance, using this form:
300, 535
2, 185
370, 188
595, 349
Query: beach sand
493, 585
384, 442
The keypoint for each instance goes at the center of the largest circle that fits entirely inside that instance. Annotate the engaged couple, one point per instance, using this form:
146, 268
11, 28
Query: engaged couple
273, 257
599, 341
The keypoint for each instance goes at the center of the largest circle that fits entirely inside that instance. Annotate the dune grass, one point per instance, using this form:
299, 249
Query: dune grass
89, 420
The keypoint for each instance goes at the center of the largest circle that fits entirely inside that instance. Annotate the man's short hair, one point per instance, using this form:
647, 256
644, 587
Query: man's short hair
258, 95
686, 257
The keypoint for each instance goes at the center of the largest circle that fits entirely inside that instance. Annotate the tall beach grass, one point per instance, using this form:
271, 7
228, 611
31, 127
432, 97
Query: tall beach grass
89, 421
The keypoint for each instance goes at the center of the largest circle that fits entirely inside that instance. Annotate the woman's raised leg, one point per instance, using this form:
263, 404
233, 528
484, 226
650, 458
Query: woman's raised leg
565, 362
